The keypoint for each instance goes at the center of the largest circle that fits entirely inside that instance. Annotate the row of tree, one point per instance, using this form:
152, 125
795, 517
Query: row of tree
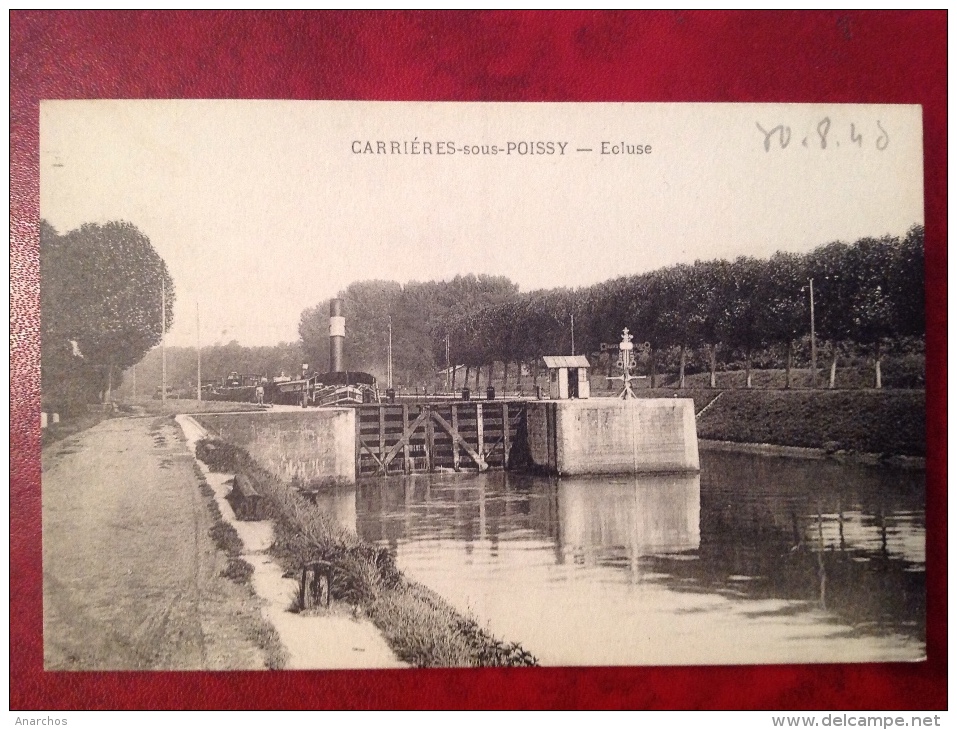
868, 296
101, 308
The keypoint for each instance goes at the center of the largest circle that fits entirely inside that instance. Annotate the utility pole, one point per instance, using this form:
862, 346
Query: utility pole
388, 372
448, 365
163, 340
813, 339
199, 367
573, 334
134, 381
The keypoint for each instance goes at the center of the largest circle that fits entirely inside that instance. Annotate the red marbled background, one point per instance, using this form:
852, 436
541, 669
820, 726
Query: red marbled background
459, 56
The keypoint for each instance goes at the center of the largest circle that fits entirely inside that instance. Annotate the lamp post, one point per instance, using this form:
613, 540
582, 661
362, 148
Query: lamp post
626, 361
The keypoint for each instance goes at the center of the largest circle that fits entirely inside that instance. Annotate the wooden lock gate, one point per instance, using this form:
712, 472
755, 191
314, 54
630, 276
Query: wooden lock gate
424, 437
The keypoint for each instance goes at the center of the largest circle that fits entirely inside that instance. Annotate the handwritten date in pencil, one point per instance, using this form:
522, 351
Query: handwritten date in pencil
826, 135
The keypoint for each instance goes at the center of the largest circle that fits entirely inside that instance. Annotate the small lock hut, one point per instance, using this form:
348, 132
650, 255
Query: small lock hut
567, 376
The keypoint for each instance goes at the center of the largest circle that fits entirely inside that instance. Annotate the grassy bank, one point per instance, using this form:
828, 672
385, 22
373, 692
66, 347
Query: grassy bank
420, 626
884, 422
84, 417
70, 425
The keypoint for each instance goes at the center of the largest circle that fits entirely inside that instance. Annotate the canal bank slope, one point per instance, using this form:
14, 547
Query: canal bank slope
421, 627
868, 425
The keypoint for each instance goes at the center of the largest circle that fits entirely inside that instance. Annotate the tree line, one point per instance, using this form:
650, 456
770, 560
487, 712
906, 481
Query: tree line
420, 314
215, 362
102, 290
868, 300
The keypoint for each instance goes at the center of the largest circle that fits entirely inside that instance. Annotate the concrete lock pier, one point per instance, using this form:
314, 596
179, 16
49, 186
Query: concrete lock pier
612, 436
569, 434
564, 437
573, 434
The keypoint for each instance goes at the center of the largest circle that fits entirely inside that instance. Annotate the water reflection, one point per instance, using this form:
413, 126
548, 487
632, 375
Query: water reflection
340, 503
757, 560
620, 520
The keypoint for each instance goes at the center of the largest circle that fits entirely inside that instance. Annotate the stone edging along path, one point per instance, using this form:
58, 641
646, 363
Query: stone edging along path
332, 640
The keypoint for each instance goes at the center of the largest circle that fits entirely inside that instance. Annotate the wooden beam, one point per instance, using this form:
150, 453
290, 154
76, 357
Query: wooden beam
455, 427
364, 445
382, 435
480, 428
429, 438
358, 441
406, 462
403, 442
457, 438
506, 427
503, 438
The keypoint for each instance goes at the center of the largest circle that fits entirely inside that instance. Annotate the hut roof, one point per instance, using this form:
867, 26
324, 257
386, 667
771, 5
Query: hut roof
566, 361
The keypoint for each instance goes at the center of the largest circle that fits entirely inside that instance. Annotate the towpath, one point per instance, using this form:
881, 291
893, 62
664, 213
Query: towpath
131, 578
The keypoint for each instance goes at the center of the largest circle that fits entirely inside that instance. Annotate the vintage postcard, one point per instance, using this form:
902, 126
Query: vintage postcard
387, 385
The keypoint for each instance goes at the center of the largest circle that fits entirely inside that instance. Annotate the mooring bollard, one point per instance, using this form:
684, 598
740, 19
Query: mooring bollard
314, 587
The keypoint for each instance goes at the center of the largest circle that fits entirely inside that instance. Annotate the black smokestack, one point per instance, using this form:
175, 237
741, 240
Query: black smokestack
337, 335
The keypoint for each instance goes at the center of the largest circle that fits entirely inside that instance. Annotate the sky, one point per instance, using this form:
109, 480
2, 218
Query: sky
262, 209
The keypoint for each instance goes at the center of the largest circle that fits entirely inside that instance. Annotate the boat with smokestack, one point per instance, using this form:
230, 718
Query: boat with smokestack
325, 389
337, 387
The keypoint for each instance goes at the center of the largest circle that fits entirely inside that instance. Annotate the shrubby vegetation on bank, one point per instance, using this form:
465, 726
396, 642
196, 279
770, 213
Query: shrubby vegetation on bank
863, 421
421, 627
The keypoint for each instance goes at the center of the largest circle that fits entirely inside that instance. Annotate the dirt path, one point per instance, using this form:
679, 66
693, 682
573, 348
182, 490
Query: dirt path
131, 578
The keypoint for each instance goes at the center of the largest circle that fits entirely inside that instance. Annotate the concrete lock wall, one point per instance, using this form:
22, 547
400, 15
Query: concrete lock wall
312, 445
611, 436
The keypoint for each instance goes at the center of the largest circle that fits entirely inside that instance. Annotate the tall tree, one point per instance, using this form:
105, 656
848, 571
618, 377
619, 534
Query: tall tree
102, 296
872, 306
716, 286
783, 316
907, 284
834, 289
744, 328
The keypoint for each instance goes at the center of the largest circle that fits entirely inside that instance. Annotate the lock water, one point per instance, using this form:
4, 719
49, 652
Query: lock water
756, 560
